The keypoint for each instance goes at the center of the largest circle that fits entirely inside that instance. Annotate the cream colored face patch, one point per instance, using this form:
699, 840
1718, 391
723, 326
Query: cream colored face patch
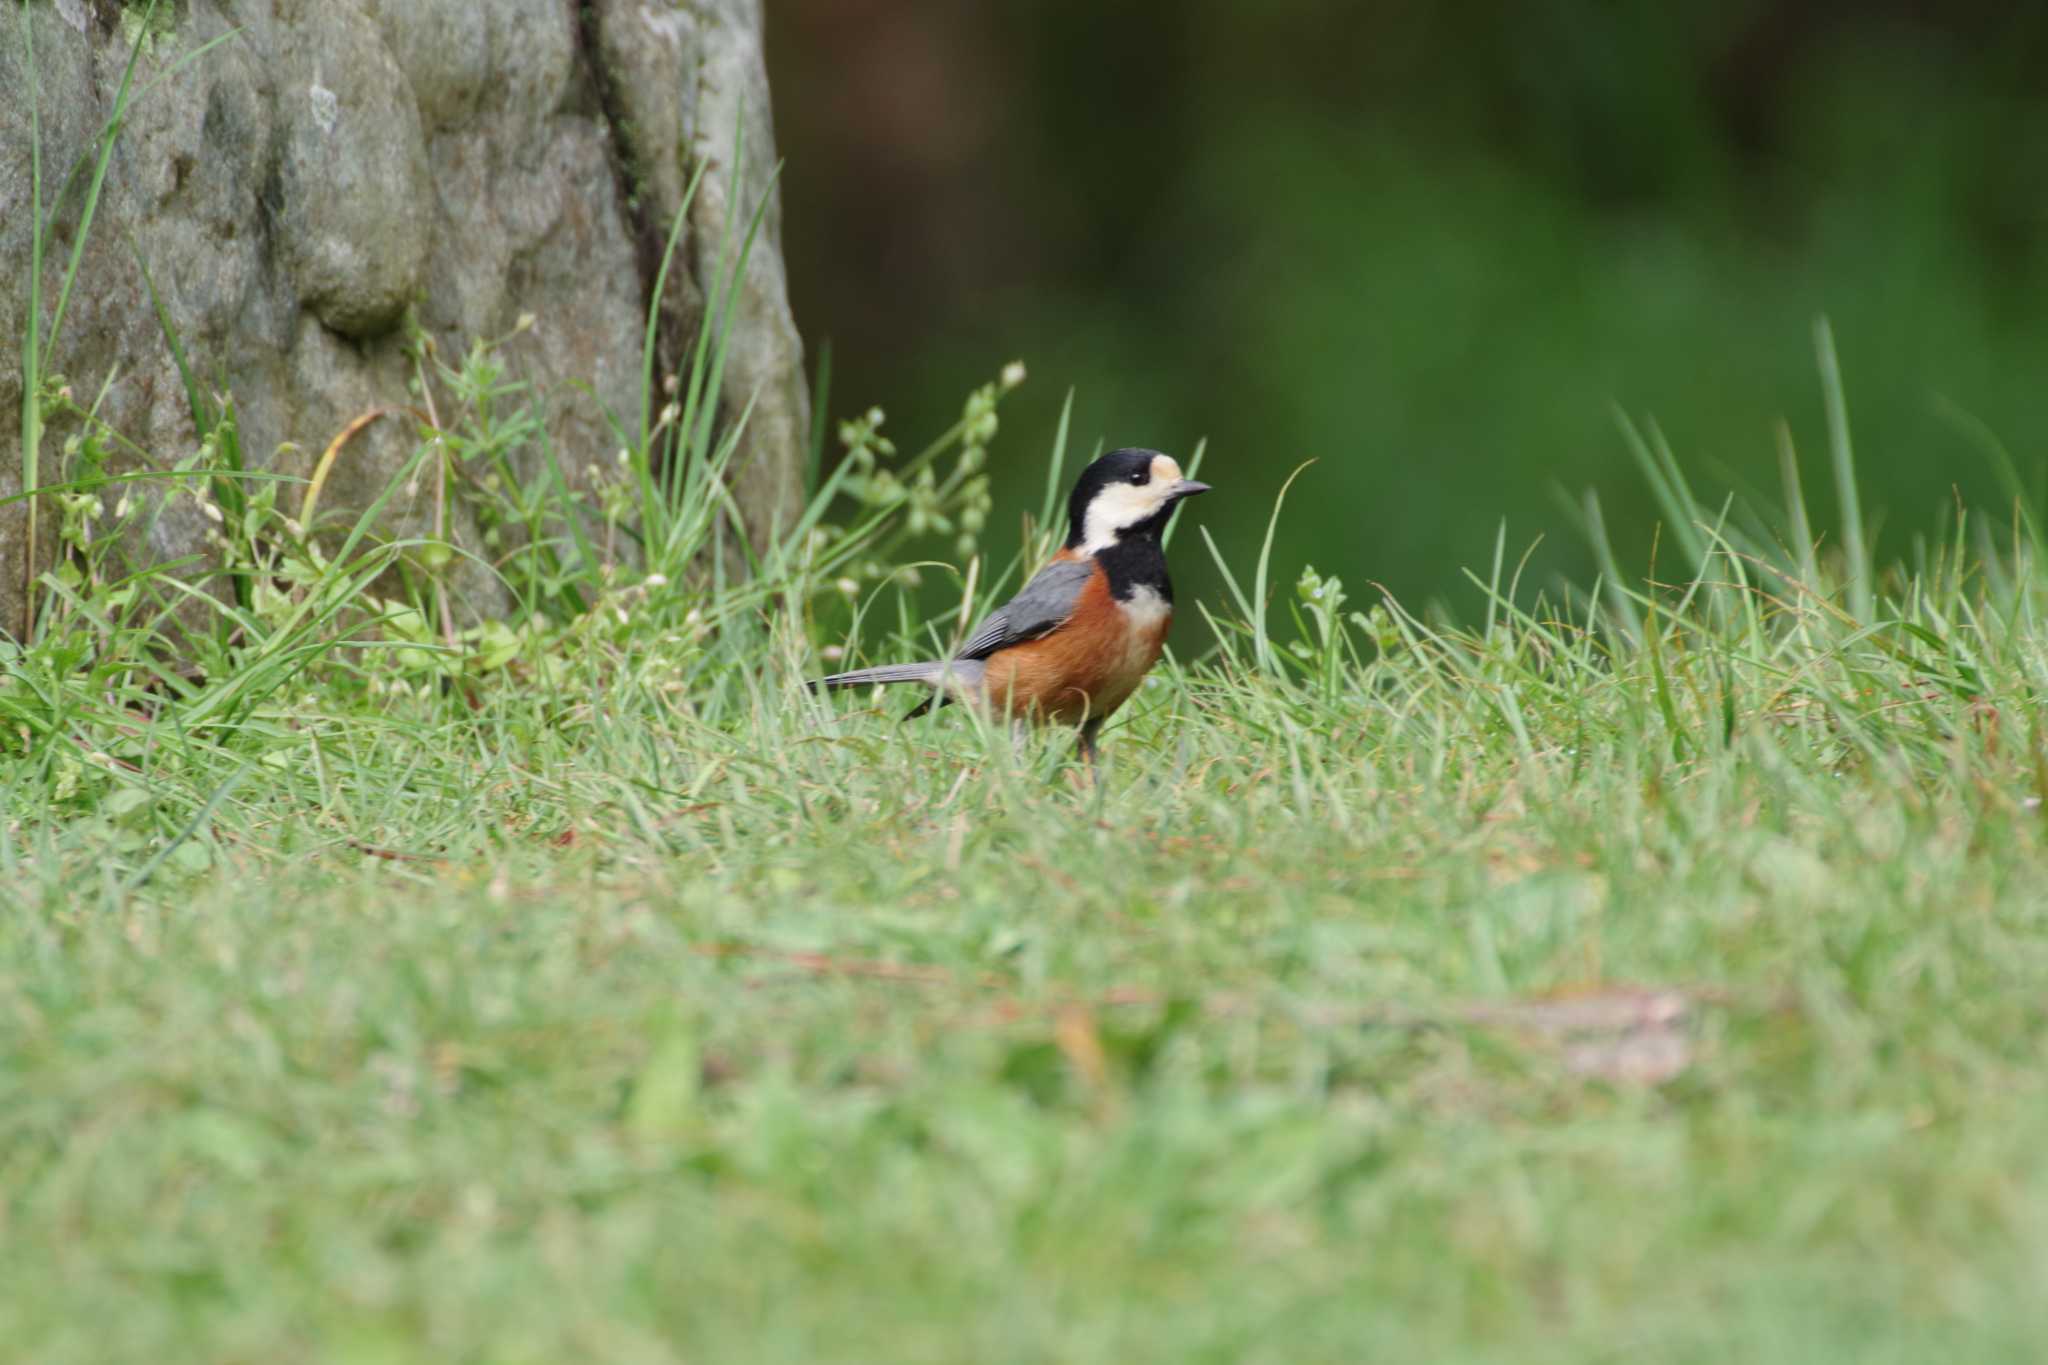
1121, 506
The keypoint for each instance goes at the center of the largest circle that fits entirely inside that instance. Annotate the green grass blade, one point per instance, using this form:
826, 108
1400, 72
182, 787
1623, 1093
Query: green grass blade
1798, 525
1621, 607
108, 136
31, 345
1194, 469
1842, 453
194, 401
192, 827
1050, 516
1674, 499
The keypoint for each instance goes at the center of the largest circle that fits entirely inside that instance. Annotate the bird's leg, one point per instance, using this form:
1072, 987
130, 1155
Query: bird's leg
1086, 748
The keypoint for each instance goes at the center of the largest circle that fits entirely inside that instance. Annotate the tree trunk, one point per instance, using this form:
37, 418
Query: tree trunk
295, 190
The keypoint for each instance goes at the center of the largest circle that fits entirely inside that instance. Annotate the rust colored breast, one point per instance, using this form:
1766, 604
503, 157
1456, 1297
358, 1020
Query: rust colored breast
1087, 668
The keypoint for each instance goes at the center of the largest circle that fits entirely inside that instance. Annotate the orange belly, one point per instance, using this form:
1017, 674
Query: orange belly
1088, 667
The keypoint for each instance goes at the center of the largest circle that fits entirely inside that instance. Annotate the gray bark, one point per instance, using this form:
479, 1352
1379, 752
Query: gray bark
295, 190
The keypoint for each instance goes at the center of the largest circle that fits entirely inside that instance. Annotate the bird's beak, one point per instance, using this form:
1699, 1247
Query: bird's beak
1187, 488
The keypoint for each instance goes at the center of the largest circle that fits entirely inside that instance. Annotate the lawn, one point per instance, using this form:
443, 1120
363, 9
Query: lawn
1648, 974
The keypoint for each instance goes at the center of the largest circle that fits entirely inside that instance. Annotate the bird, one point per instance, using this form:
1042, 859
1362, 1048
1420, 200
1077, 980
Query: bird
1075, 642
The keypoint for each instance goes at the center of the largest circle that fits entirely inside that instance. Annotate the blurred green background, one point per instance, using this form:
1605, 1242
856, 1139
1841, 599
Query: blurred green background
1431, 246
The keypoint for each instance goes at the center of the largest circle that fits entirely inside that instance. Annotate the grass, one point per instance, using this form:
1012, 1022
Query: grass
1652, 971
627, 1003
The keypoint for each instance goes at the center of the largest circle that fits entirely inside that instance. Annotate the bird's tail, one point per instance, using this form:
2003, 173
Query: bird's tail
951, 673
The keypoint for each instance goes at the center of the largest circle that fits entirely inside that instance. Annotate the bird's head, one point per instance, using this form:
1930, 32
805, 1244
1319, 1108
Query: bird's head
1125, 493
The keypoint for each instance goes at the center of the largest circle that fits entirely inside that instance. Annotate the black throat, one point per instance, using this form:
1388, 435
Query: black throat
1136, 561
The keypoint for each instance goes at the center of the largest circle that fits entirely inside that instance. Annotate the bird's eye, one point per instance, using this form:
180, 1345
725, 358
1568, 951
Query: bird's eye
1138, 477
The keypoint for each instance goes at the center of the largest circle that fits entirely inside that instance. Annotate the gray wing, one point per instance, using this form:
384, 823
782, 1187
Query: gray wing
1043, 604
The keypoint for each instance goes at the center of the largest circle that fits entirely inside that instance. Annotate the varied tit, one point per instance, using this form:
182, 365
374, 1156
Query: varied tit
1076, 642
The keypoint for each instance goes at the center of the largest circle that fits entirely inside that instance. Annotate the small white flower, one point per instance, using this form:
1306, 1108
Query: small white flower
212, 512
847, 586
1013, 374
833, 653
657, 580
